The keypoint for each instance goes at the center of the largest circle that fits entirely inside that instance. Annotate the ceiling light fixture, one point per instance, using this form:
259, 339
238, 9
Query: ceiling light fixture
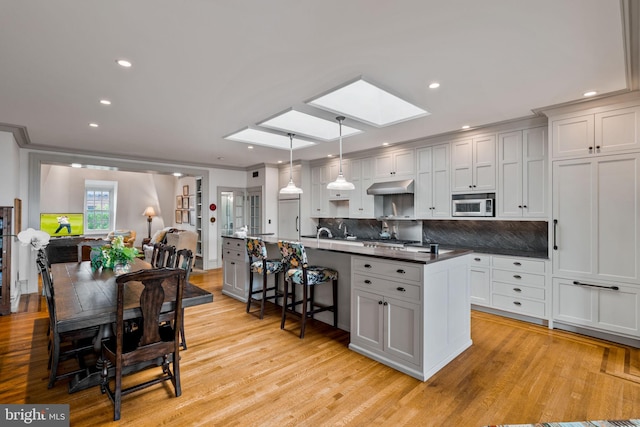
434, 85
465, 127
76, 165
340, 183
124, 63
590, 93
105, 102
291, 187
93, 125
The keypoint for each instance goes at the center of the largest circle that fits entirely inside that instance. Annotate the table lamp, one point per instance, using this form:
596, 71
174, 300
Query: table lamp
149, 212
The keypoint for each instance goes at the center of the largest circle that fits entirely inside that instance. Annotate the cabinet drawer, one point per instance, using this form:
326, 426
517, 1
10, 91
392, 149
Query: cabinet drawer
229, 254
517, 277
519, 305
236, 244
516, 291
479, 260
387, 288
519, 264
394, 270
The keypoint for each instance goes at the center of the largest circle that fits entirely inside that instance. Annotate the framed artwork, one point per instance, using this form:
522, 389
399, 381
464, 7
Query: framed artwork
178, 217
185, 190
192, 202
185, 217
178, 202
192, 218
185, 202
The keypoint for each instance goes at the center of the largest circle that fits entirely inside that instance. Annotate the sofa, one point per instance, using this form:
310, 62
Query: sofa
181, 239
128, 237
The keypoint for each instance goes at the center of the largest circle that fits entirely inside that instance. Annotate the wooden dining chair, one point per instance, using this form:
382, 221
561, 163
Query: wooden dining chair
184, 260
154, 340
163, 255
63, 345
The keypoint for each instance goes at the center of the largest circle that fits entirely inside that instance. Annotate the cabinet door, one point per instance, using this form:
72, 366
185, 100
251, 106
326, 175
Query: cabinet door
367, 181
461, 165
484, 163
510, 174
360, 203
384, 166
424, 184
617, 130
572, 137
480, 284
403, 327
334, 170
441, 191
319, 191
367, 319
534, 172
404, 163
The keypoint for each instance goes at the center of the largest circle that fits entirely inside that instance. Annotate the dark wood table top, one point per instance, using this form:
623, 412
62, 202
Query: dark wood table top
86, 298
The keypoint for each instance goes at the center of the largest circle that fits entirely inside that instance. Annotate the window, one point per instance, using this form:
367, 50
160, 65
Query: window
100, 206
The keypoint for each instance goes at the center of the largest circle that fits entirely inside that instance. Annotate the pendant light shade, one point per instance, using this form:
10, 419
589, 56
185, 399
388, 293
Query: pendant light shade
340, 183
291, 187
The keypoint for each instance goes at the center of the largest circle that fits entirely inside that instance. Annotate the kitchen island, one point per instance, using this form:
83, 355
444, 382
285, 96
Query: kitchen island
408, 309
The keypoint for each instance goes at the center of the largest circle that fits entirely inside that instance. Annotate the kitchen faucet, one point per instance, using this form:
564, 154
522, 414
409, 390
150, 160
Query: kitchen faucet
321, 229
345, 233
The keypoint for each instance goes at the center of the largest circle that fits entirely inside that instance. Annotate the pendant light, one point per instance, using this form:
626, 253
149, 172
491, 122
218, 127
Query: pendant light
291, 187
340, 183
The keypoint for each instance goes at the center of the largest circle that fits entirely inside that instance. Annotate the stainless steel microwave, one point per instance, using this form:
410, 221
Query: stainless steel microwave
473, 204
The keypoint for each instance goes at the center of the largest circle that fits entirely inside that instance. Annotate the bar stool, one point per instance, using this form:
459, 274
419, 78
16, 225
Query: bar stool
258, 250
300, 273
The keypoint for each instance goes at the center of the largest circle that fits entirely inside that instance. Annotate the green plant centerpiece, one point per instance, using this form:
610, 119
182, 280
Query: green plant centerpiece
112, 255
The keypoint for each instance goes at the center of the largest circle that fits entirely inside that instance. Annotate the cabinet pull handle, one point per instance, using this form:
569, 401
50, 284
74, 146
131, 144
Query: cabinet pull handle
517, 276
385, 303
232, 263
477, 259
297, 223
555, 234
518, 303
400, 271
597, 147
401, 289
368, 282
517, 264
590, 149
613, 288
367, 266
520, 206
524, 206
517, 290
379, 302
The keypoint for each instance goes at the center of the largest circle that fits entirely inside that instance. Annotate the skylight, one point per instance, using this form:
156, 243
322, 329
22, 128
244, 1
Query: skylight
363, 101
300, 123
268, 139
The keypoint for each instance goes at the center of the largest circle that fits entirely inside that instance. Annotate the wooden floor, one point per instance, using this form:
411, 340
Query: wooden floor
242, 371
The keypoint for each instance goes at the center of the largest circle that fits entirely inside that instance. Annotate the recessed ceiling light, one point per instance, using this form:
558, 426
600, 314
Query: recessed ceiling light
105, 102
124, 63
434, 85
330, 155
299, 123
466, 127
177, 174
279, 161
590, 93
363, 101
385, 144
220, 158
250, 147
269, 139
76, 165
93, 125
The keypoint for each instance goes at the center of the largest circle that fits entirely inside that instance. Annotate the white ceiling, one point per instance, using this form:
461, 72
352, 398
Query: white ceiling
203, 69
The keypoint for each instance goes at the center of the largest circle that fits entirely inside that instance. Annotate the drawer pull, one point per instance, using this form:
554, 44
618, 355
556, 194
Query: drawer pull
517, 290
613, 288
401, 289
400, 271
517, 276
518, 303
368, 282
477, 259
232, 263
517, 264
385, 303
380, 302
367, 266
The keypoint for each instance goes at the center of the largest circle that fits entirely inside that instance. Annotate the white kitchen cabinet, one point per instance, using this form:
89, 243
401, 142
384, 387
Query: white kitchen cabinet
283, 179
360, 203
522, 173
518, 285
604, 132
610, 306
596, 226
480, 279
319, 193
433, 195
334, 170
235, 268
395, 164
473, 164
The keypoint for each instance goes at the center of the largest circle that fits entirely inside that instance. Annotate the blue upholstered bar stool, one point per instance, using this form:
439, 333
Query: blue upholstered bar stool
259, 264
300, 273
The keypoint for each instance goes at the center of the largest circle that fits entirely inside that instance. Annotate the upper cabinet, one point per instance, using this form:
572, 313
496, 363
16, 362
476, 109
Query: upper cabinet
605, 132
433, 196
522, 172
319, 191
360, 203
395, 164
334, 170
473, 164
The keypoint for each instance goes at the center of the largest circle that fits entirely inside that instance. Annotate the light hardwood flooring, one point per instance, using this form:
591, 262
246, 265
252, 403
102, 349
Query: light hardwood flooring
242, 371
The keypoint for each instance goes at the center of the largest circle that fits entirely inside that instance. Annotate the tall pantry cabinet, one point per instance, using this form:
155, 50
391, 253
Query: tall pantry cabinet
595, 235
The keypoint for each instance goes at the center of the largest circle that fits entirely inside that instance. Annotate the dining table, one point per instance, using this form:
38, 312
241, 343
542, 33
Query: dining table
86, 298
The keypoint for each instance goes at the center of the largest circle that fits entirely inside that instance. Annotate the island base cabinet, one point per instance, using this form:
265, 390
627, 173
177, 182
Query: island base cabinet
235, 268
604, 306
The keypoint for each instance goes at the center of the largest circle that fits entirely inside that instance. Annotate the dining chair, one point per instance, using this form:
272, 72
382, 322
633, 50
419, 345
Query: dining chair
299, 272
184, 260
63, 345
163, 255
155, 339
259, 264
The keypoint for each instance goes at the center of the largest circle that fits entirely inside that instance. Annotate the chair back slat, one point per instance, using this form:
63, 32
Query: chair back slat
163, 255
184, 260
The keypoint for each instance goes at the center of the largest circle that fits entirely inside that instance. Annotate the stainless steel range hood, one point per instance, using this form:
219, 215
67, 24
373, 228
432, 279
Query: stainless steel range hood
391, 187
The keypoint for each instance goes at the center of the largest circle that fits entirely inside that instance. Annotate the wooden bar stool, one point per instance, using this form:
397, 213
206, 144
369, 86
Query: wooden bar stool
256, 249
300, 273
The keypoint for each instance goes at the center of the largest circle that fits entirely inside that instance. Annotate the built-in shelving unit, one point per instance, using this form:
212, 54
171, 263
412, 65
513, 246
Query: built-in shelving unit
5, 259
198, 214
